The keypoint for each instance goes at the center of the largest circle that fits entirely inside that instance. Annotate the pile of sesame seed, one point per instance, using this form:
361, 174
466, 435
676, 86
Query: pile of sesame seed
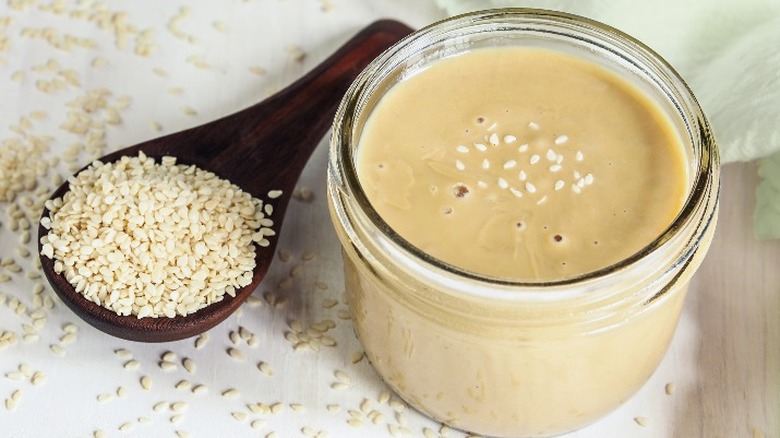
148, 239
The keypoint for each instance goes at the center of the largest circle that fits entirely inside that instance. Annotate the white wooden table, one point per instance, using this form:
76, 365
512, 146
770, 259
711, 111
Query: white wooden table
724, 361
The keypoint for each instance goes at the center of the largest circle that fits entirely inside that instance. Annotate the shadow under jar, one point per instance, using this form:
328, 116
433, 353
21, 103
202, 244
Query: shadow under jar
498, 356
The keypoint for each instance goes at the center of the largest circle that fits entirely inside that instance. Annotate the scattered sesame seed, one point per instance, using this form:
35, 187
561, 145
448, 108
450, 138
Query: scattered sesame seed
265, 368
236, 354
523, 148
555, 168
485, 164
126, 427
510, 139
533, 125
561, 139
480, 147
510, 164
459, 165
494, 139
515, 191
189, 365
642, 421
530, 188
230, 393
201, 341
559, 184
522, 175
669, 388
588, 179
579, 156
200, 389
534, 159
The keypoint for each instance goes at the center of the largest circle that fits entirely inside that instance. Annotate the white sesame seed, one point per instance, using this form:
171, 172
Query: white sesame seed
236, 354
579, 156
510, 139
523, 148
589, 179
199, 389
576, 188
555, 167
510, 164
502, 183
493, 126
189, 365
230, 393
494, 139
530, 188
559, 184
273, 194
522, 175
516, 192
534, 159
562, 139
542, 200
577, 175
485, 164
459, 165
480, 147
125, 427
462, 149
533, 125
551, 155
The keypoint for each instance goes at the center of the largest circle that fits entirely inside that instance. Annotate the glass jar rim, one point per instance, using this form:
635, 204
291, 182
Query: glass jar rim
683, 101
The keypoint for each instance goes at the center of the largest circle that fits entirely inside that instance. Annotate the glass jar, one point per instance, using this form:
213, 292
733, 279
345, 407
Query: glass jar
507, 358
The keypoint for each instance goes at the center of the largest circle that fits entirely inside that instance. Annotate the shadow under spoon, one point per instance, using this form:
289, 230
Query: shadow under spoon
261, 148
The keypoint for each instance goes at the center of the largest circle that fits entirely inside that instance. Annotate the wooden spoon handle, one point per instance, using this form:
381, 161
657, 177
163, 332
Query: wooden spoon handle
290, 124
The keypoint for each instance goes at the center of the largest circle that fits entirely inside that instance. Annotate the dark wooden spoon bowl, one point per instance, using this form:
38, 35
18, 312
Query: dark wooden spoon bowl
261, 148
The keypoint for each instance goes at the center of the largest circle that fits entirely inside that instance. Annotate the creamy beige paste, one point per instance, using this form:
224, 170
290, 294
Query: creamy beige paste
522, 163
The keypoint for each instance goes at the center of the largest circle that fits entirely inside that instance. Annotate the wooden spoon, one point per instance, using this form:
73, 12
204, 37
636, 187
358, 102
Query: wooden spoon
261, 148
